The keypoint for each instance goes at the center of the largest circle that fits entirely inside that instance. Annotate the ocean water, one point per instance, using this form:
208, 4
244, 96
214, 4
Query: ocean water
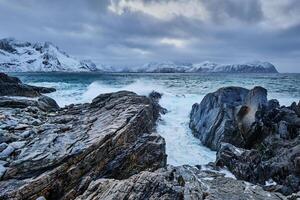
180, 92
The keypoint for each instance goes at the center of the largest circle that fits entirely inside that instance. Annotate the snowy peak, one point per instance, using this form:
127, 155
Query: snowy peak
207, 67
18, 56
165, 67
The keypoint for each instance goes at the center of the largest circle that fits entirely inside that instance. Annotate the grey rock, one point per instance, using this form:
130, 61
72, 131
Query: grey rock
26, 134
256, 139
2, 170
12, 86
118, 142
18, 144
7, 152
16, 103
220, 114
47, 104
3, 146
183, 182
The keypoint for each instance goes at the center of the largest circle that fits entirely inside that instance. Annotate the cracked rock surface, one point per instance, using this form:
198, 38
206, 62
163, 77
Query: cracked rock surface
256, 139
56, 154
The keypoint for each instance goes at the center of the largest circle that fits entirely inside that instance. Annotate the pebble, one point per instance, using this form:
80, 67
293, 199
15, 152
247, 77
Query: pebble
6, 152
26, 134
3, 146
36, 122
18, 145
25, 121
21, 126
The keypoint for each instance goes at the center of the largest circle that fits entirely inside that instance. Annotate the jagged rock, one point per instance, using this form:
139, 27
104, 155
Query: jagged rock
183, 182
12, 86
110, 138
16, 103
227, 115
155, 97
47, 104
256, 139
44, 103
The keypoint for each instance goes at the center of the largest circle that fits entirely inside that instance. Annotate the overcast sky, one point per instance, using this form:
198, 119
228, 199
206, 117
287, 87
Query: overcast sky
132, 32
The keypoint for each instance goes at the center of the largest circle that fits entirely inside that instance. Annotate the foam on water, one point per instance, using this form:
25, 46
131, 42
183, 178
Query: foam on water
181, 146
179, 94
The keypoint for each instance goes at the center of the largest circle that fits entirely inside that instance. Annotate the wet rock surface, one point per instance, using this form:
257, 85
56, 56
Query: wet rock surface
183, 182
106, 149
257, 140
57, 154
12, 86
227, 115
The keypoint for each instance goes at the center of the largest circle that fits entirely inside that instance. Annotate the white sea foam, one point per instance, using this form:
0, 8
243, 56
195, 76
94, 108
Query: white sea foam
179, 95
181, 146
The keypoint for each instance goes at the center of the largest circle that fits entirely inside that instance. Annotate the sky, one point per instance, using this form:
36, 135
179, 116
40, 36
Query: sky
134, 32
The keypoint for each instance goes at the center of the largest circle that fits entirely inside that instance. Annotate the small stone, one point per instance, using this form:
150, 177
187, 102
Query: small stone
21, 126
3, 146
18, 145
6, 152
36, 122
25, 121
26, 134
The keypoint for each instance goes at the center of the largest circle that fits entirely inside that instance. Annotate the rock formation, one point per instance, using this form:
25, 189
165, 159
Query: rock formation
106, 149
184, 182
12, 86
57, 154
257, 140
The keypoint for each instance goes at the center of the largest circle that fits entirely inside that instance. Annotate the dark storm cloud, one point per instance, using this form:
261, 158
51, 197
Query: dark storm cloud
133, 32
247, 10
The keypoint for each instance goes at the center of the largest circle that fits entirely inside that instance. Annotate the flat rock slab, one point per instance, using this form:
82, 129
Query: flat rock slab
183, 182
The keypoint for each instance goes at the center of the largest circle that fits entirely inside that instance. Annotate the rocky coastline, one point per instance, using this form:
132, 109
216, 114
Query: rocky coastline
255, 138
109, 148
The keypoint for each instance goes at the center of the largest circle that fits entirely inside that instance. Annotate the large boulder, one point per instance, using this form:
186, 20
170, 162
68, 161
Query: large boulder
12, 86
59, 154
47, 104
256, 139
227, 115
275, 158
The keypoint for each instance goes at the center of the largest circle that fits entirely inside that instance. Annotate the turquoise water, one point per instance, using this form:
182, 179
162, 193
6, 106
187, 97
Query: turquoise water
180, 92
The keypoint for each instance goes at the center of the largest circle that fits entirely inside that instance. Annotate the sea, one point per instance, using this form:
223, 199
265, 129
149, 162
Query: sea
180, 92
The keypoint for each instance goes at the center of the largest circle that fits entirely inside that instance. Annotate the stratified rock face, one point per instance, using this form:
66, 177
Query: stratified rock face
174, 183
226, 116
12, 86
258, 140
57, 154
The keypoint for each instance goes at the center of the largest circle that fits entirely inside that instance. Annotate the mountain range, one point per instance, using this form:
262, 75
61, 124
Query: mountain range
19, 56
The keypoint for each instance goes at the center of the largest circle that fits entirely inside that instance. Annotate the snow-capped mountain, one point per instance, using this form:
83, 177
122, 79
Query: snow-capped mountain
18, 56
206, 67
250, 67
164, 67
